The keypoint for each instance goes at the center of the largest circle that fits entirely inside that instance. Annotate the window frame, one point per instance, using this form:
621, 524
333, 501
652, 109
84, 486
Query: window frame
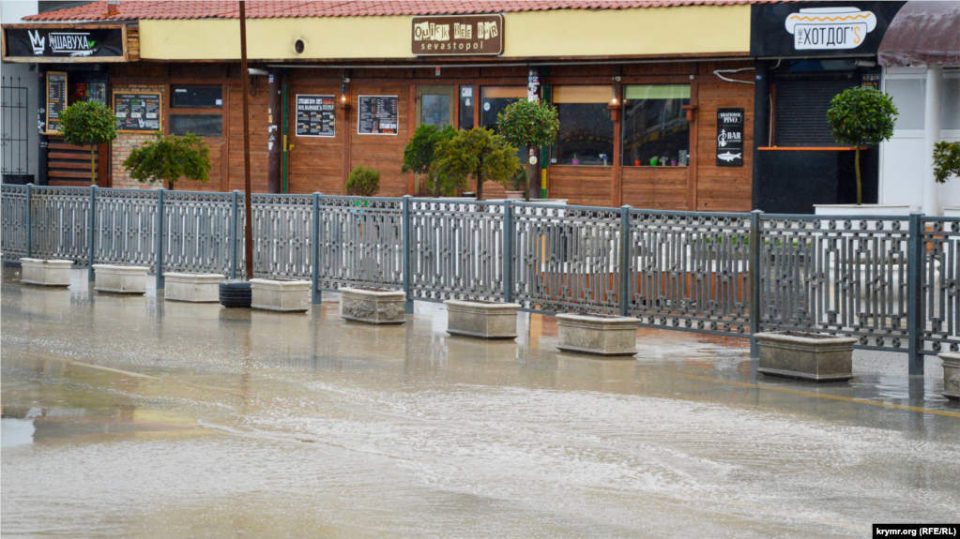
197, 111
691, 93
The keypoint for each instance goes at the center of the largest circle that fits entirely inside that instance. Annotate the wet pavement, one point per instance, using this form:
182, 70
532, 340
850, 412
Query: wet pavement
128, 416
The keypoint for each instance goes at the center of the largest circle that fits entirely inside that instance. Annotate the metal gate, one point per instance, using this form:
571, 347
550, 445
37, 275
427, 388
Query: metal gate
14, 134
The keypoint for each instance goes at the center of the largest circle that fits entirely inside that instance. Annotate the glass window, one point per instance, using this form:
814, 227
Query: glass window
205, 125
496, 98
907, 95
196, 97
655, 127
949, 103
466, 107
435, 105
586, 130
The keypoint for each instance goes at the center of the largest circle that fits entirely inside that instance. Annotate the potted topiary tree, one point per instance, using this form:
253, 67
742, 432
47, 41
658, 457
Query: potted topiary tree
88, 123
420, 153
529, 124
946, 163
478, 152
861, 117
169, 158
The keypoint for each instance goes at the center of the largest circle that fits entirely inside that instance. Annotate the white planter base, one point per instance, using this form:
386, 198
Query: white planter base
951, 374
192, 287
120, 279
820, 358
281, 296
598, 334
486, 320
45, 272
372, 306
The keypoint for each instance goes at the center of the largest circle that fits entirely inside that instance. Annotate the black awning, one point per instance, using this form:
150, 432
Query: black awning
923, 33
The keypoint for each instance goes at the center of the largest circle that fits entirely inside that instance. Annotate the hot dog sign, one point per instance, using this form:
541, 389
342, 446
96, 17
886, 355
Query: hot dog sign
828, 28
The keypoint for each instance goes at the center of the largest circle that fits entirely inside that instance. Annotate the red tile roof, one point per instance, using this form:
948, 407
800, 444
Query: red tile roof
267, 9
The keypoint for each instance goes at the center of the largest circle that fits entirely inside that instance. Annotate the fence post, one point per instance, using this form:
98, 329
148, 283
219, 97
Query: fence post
507, 252
158, 240
92, 233
624, 260
407, 288
29, 220
315, 252
756, 235
234, 233
915, 248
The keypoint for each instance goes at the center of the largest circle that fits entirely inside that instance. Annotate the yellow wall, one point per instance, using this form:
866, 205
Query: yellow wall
629, 32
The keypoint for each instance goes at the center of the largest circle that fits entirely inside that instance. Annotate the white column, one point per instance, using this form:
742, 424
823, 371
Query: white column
931, 134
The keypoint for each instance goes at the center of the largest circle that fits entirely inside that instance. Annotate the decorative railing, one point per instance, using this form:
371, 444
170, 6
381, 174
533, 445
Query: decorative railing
892, 282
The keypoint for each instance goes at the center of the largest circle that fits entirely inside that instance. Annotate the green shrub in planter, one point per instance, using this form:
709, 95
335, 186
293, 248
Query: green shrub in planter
363, 181
530, 125
478, 152
861, 116
88, 123
946, 160
169, 158
420, 154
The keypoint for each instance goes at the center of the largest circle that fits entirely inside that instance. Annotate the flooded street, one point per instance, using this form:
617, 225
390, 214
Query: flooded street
128, 416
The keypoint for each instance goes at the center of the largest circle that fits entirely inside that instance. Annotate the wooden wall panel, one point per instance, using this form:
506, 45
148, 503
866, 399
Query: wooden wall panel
382, 152
233, 126
588, 185
661, 188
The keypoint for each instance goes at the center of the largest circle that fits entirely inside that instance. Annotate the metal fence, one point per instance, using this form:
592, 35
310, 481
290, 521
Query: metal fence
891, 282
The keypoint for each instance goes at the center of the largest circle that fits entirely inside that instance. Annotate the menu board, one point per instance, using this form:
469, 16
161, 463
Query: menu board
316, 116
137, 112
56, 99
378, 115
730, 137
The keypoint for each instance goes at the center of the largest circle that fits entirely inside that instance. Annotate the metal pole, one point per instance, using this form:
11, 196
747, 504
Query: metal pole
245, 85
29, 220
92, 229
625, 260
158, 246
756, 235
407, 287
234, 234
315, 252
508, 252
915, 246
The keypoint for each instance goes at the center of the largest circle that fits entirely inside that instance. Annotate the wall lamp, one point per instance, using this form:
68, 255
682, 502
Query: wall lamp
344, 91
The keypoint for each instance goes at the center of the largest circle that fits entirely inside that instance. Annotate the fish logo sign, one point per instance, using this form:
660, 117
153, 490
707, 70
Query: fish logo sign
830, 28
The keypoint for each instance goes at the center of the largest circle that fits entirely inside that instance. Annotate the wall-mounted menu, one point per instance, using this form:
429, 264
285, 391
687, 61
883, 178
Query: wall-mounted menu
729, 137
377, 115
316, 116
137, 112
56, 99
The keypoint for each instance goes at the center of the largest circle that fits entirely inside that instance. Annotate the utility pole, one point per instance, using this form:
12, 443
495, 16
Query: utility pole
245, 85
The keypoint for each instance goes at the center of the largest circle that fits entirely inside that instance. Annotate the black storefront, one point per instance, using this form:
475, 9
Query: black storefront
807, 52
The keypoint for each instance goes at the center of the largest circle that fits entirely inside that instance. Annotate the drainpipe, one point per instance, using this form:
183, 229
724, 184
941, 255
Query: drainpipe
761, 125
273, 132
931, 134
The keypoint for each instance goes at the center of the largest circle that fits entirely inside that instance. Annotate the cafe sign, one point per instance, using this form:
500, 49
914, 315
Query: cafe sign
457, 35
830, 28
64, 44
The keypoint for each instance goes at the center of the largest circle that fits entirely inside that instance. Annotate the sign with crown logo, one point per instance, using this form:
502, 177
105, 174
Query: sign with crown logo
64, 44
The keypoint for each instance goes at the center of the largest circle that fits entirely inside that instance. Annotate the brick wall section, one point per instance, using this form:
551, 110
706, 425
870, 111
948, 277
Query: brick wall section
126, 142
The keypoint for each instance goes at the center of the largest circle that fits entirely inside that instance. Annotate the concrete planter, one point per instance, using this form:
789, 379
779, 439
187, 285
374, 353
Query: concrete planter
598, 334
45, 272
120, 279
373, 306
821, 358
484, 319
951, 374
283, 296
192, 287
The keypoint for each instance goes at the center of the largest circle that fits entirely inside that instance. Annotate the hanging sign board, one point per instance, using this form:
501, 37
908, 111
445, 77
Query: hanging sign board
729, 137
56, 100
378, 115
316, 116
137, 112
66, 44
457, 35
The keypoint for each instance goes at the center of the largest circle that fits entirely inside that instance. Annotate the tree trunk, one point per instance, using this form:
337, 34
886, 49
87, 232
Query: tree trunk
93, 165
170, 184
856, 165
479, 181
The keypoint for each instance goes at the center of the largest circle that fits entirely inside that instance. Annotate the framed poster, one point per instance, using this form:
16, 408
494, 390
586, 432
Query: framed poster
378, 115
729, 137
316, 115
137, 112
56, 100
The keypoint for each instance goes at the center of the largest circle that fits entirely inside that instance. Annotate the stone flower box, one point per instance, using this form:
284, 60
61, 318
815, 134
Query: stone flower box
283, 296
598, 334
951, 374
372, 305
192, 287
484, 319
45, 272
120, 279
810, 356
